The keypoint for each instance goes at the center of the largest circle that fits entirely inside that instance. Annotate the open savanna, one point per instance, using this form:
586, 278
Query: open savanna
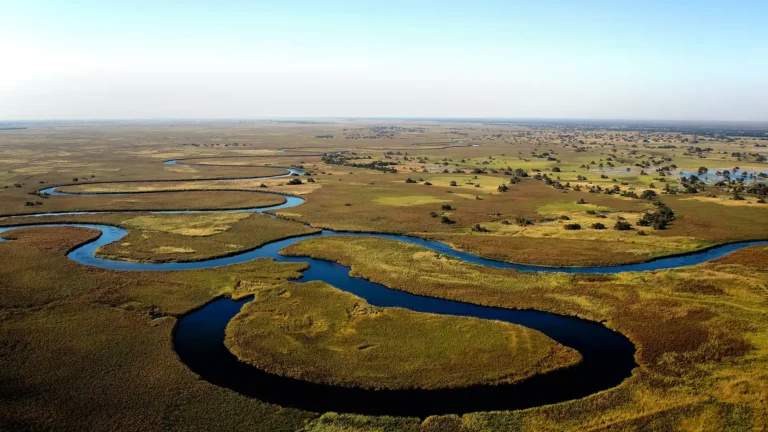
84, 352
255, 159
700, 333
79, 349
317, 333
24, 172
385, 203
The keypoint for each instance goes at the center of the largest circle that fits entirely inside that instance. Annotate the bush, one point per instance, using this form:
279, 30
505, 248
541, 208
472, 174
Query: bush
659, 218
648, 194
598, 226
453, 183
447, 207
622, 226
572, 226
521, 221
479, 228
410, 180
446, 220
502, 188
295, 182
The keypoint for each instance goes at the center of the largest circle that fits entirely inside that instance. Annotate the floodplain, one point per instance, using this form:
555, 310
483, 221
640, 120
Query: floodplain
81, 344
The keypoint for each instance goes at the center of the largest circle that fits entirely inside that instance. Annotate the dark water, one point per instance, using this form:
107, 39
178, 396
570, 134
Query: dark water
608, 357
86, 254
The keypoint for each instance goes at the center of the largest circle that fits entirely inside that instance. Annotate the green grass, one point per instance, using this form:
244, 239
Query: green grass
408, 201
183, 237
700, 331
82, 353
701, 343
79, 351
314, 332
193, 225
559, 208
198, 200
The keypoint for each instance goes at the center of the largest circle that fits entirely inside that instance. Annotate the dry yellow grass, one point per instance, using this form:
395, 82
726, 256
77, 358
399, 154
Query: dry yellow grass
726, 201
272, 185
171, 250
408, 201
195, 225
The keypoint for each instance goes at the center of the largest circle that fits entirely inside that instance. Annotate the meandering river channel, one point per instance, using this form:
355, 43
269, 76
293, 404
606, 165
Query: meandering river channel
607, 356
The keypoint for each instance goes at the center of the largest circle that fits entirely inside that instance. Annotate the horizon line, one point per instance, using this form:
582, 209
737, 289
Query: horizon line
411, 118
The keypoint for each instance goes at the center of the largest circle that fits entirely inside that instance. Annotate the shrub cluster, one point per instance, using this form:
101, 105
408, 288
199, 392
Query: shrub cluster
659, 218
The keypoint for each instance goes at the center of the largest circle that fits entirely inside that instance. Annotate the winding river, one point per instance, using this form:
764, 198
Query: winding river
607, 356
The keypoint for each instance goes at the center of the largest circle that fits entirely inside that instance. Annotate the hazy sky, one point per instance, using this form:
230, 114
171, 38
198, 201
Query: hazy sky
643, 59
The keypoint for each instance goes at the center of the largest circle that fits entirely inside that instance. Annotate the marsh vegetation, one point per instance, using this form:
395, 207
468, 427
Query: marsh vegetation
80, 345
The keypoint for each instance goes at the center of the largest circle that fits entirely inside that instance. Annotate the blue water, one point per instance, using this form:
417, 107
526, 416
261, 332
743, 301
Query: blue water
607, 356
716, 175
86, 254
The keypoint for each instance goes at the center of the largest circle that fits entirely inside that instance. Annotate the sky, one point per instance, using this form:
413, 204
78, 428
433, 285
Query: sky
641, 60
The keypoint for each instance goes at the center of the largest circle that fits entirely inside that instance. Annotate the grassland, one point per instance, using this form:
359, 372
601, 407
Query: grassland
385, 203
196, 200
700, 331
279, 185
316, 333
181, 237
353, 198
80, 351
